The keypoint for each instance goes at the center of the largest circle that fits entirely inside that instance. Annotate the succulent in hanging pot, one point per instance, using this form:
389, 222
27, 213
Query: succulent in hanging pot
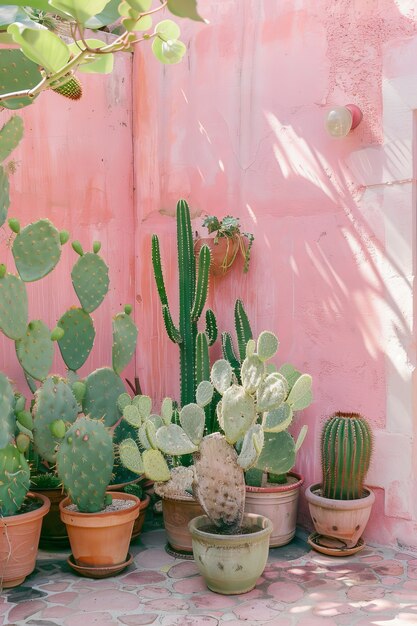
340, 507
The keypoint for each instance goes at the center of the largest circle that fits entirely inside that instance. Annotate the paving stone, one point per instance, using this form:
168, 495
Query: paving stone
91, 619
19, 594
195, 584
183, 570
143, 578
286, 591
154, 559
258, 611
114, 601
139, 620
167, 604
23, 610
189, 620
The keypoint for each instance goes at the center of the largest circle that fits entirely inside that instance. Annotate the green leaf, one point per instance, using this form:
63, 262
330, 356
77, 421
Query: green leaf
134, 24
99, 64
81, 10
41, 46
43, 5
185, 8
167, 29
109, 15
140, 5
9, 14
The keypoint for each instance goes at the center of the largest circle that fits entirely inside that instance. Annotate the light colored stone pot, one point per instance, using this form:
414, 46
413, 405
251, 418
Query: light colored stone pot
231, 564
343, 519
178, 512
278, 503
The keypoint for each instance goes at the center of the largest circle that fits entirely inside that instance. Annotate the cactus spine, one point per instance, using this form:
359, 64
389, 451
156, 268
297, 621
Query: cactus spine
346, 447
193, 290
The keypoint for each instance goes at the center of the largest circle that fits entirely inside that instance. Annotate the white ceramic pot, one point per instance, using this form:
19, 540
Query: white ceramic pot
231, 564
342, 519
278, 503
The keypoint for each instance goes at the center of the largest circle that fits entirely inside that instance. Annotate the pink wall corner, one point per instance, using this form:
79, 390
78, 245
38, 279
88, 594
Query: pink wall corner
238, 128
74, 166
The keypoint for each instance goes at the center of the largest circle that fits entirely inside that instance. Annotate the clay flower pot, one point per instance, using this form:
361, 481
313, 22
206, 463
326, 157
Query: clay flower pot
19, 540
223, 253
54, 533
341, 519
139, 521
279, 504
231, 564
100, 539
178, 512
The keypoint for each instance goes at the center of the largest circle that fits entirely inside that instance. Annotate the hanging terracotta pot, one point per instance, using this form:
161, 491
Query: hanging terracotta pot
223, 253
19, 540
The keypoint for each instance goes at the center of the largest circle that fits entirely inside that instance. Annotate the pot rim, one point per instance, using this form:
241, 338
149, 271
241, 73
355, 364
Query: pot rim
278, 488
179, 498
23, 518
102, 514
265, 531
357, 503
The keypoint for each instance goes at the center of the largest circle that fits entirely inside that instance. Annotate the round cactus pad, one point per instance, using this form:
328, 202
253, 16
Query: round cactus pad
103, 388
18, 74
10, 135
6, 411
4, 195
36, 250
13, 306
90, 277
124, 341
35, 350
78, 340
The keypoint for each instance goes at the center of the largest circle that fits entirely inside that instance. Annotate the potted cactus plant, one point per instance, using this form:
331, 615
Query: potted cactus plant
273, 493
246, 412
99, 523
21, 512
228, 242
341, 505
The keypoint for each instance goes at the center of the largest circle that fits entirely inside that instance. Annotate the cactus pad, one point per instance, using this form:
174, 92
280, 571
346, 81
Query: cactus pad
238, 413
278, 453
267, 345
78, 340
7, 402
90, 277
85, 463
219, 485
221, 375
192, 419
36, 250
54, 400
14, 480
204, 393
173, 441
123, 400
251, 447
124, 341
18, 74
290, 373
300, 395
271, 392
144, 404
155, 466
4, 195
103, 387
35, 350
279, 419
130, 456
132, 416
166, 411
252, 373
13, 306
10, 135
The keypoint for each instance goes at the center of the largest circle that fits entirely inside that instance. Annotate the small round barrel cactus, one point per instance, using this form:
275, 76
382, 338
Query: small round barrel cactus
346, 447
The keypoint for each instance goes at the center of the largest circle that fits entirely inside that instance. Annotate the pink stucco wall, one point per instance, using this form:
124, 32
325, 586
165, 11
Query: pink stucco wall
238, 128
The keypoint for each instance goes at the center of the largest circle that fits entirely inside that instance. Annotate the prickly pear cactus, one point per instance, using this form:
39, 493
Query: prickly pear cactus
103, 387
78, 339
85, 463
13, 306
7, 417
10, 135
35, 350
124, 340
346, 448
54, 400
18, 74
36, 250
14, 480
90, 277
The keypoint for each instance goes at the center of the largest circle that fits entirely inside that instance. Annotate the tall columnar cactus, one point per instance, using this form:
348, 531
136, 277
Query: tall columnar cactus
193, 290
85, 463
243, 334
346, 448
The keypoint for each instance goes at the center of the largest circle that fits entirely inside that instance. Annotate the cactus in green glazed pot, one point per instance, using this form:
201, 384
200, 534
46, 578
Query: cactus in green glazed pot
346, 448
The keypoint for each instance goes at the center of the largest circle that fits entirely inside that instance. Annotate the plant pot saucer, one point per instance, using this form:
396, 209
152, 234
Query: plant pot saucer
332, 546
98, 572
179, 554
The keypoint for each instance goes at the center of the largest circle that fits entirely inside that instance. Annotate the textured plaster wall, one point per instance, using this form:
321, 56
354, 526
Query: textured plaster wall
238, 128
74, 166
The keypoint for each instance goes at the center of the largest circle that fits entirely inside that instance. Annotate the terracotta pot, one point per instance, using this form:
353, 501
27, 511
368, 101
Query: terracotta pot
177, 515
223, 253
342, 519
279, 504
19, 542
231, 564
100, 539
139, 521
54, 532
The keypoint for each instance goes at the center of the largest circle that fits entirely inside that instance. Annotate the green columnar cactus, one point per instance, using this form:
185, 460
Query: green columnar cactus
346, 448
193, 290
85, 463
243, 334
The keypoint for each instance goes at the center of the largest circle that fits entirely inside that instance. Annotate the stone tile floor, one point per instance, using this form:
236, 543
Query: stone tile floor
299, 587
